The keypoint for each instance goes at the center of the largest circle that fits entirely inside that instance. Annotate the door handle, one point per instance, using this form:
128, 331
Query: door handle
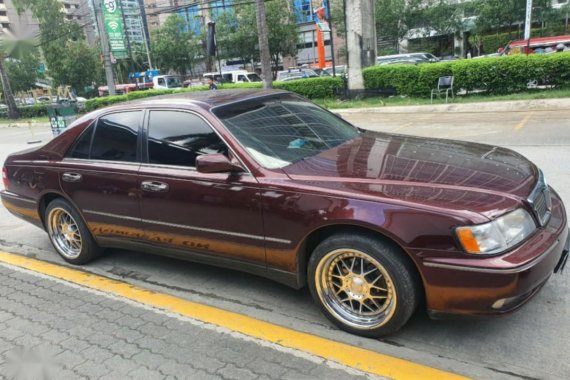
71, 177
154, 186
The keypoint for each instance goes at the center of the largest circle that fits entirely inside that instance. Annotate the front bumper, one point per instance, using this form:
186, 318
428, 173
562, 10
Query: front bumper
499, 284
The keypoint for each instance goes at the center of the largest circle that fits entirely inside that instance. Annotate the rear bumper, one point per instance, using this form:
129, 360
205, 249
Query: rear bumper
21, 207
500, 284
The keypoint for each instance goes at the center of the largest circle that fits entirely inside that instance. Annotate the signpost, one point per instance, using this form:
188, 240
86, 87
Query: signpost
113, 17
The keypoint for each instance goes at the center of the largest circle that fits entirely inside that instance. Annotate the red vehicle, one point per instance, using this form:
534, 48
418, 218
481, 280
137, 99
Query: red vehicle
521, 46
269, 183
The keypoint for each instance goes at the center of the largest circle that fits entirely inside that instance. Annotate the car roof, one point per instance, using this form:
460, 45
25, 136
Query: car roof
204, 99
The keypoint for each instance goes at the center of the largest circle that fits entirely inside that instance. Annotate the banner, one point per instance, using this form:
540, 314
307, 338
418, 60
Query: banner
113, 17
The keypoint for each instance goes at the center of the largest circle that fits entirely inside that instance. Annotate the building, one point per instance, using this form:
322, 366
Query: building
24, 25
133, 19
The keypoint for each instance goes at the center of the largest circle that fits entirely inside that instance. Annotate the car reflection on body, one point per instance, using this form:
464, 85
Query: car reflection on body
269, 183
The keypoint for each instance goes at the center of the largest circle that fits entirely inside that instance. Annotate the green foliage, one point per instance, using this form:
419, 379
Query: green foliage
22, 72
69, 60
235, 35
324, 87
494, 75
27, 112
174, 48
282, 28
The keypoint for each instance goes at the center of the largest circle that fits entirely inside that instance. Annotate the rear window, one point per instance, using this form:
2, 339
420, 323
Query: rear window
82, 145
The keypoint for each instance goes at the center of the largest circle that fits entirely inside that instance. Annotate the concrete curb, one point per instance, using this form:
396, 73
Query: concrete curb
500, 106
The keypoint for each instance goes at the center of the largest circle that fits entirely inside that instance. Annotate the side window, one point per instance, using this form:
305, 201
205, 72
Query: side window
116, 137
81, 147
242, 78
177, 138
161, 82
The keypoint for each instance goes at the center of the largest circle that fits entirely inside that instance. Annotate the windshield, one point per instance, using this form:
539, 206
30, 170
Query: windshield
282, 129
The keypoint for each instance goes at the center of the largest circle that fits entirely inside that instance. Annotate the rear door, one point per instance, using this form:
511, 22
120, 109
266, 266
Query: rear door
212, 214
100, 173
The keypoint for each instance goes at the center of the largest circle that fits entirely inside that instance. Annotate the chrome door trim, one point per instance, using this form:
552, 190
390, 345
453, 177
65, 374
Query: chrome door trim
193, 228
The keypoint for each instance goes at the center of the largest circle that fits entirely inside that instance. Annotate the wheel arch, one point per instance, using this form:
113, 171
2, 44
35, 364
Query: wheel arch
50, 196
318, 235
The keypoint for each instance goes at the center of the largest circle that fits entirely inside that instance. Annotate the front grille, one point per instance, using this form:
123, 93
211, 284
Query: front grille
540, 201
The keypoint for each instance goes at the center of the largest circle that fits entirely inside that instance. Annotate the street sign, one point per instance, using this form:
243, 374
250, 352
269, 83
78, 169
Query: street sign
113, 18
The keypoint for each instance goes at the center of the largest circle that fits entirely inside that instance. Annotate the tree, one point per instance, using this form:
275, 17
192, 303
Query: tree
264, 45
80, 66
22, 71
235, 36
282, 28
173, 48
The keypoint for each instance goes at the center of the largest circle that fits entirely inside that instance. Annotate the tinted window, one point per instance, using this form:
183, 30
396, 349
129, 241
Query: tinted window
177, 138
116, 137
81, 147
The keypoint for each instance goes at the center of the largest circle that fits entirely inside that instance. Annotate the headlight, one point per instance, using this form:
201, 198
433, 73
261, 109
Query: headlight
498, 235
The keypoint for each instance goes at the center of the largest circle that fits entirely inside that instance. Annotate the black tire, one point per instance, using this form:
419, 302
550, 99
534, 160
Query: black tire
352, 297
68, 233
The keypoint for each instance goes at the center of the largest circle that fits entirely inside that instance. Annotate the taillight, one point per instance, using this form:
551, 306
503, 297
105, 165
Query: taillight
5, 177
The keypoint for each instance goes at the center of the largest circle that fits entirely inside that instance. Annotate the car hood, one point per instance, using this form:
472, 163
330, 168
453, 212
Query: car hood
445, 174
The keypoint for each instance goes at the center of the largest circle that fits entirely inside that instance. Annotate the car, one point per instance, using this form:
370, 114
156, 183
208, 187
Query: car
266, 182
292, 74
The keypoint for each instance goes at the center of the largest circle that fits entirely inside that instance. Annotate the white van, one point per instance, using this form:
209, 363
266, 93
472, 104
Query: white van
166, 81
234, 76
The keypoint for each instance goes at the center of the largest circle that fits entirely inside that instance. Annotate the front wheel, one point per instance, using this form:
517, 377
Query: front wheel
362, 284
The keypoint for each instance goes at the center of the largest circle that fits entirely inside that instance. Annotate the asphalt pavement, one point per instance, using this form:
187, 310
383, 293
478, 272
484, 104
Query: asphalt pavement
530, 344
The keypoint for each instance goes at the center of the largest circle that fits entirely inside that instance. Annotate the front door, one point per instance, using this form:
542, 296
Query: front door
214, 215
99, 175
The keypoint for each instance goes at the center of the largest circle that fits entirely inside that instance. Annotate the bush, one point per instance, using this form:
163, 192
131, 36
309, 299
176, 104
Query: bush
28, 112
310, 88
493, 75
324, 87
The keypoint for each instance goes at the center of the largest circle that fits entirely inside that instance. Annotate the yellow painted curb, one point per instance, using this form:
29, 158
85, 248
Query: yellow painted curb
358, 358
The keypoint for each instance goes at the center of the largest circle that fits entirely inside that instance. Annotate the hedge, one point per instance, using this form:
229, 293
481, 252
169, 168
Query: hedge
311, 88
28, 112
493, 75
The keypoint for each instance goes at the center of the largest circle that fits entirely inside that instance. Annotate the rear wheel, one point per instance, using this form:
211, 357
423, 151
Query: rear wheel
68, 234
362, 284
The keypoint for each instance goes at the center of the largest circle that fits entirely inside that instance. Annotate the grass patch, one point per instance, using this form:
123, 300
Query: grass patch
409, 101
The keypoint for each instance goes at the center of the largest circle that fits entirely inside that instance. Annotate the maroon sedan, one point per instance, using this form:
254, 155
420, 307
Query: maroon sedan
269, 183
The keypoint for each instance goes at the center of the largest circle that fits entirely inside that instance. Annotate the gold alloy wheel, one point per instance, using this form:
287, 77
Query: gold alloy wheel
64, 233
355, 288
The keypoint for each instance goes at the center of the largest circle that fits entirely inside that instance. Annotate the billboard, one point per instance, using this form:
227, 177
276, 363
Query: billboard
113, 18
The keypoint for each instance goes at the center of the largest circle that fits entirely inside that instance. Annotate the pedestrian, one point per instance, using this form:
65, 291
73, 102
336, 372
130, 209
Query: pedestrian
211, 84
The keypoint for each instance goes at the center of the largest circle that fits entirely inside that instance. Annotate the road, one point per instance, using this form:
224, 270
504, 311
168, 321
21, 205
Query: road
530, 344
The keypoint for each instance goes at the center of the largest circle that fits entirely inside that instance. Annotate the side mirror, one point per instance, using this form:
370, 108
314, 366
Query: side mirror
216, 163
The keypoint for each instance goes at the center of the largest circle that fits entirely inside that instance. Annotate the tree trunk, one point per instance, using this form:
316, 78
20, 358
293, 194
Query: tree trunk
263, 39
13, 112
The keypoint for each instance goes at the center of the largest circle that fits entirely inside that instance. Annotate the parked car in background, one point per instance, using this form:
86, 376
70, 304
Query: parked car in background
339, 70
233, 76
410, 58
298, 73
266, 182
322, 72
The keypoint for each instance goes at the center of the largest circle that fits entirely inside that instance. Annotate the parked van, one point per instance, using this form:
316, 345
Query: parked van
234, 76
166, 81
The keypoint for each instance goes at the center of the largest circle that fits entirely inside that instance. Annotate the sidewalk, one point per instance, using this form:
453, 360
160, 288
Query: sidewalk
497, 106
64, 331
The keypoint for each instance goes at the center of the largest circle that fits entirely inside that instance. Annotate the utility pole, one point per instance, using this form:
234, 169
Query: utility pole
527, 22
360, 41
104, 47
263, 39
